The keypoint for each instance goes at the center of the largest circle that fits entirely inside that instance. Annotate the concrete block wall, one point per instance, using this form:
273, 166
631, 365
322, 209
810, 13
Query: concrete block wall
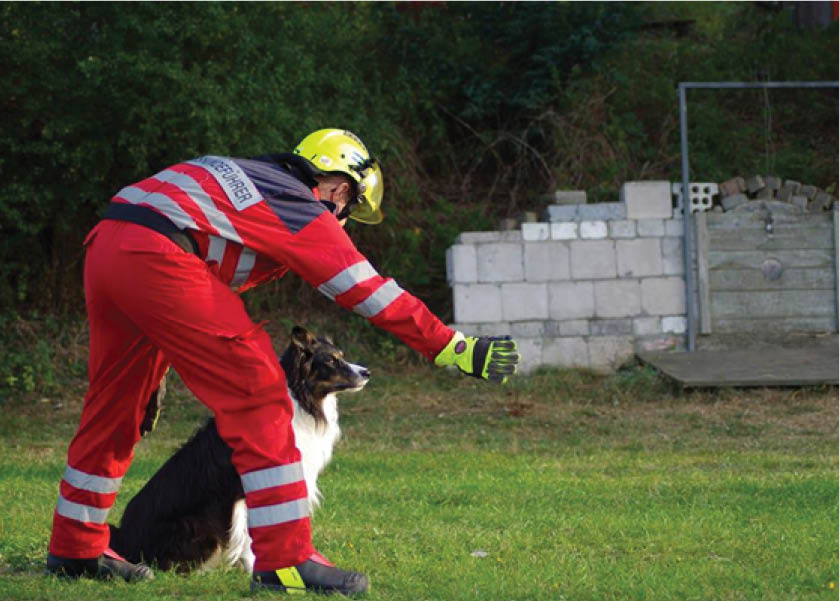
586, 287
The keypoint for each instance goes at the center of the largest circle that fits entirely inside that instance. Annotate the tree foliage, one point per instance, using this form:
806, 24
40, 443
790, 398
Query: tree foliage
474, 108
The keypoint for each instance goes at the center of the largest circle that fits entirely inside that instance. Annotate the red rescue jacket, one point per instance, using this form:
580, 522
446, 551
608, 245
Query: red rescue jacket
254, 219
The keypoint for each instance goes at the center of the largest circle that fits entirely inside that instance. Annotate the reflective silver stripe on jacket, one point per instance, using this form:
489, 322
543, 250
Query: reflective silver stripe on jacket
243, 267
91, 483
162, 202
346, 279
272, 476
81, 513
193, 189
240, 190
216, 248
271, 515
379, 300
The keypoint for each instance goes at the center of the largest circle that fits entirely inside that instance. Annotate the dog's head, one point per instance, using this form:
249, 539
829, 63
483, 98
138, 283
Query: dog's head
315, 367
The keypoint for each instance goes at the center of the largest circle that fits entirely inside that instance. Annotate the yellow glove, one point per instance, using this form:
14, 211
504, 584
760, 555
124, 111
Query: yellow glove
492, 358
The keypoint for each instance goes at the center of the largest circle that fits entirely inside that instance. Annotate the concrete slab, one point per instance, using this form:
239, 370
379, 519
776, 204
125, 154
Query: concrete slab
761, 366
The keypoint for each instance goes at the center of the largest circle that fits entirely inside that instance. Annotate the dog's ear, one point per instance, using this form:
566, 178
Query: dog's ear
302, 338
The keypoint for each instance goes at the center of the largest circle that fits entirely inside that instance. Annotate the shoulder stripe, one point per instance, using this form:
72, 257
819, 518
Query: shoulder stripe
193, 189
162, 202
379, 300
346, 279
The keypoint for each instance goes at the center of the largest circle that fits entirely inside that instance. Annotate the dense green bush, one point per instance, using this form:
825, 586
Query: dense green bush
474, 108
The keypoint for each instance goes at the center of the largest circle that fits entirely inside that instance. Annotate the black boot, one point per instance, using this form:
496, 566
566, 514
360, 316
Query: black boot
103, 567
311, 576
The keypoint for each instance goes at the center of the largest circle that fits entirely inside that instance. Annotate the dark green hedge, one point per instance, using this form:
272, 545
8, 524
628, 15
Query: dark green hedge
474, 108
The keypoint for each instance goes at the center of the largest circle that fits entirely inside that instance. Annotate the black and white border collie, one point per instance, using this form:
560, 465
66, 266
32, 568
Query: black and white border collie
191, 513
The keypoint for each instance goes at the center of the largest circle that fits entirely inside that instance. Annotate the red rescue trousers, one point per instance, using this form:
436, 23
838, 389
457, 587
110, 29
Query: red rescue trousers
151, 305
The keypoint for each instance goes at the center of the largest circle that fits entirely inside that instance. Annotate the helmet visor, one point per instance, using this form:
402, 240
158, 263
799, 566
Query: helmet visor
368, 210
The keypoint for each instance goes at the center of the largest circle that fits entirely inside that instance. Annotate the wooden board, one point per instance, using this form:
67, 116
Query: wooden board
774, 303
804, 366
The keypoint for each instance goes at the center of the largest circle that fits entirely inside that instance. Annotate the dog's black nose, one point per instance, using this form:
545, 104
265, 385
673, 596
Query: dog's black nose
364, 372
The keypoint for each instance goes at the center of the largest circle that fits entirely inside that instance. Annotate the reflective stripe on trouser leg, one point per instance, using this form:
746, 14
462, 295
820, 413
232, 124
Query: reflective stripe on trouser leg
222, 356
123, 370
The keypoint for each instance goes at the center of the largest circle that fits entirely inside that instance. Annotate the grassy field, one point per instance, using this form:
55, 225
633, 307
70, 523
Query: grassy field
561, 486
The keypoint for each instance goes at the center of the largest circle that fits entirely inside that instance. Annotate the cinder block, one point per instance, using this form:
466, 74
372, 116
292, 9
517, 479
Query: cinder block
647, 200
570, 197
558, 213
650, 227
663, 296
593, 259
766, 193
571, 300
793, 184
755, 183
483, 329
646, 326
564, 231
565, 352
674, 324
809, 191
524, 302
546, 261
674, 227
593, 230
700, 196
476, 303
485, 237
639, 257
736, 185
500, 262
617, 298
673, 260
527, 329
478, 237
824, 201
534, 232
625, 228
571, 327
785, 193
608, 353
461, 264
611, 327
735, 200
602, 211
530, 354
803, 203
772, 182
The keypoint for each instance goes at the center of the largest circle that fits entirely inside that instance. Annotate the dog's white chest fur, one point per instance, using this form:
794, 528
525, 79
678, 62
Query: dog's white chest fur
315, 442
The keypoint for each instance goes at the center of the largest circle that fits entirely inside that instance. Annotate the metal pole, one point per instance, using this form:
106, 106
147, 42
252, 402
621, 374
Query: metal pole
688, 246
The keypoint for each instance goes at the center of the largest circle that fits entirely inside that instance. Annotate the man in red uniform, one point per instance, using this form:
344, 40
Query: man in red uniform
161, 274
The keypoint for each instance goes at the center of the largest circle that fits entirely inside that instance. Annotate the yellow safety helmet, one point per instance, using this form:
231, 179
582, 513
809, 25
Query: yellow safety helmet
341, 151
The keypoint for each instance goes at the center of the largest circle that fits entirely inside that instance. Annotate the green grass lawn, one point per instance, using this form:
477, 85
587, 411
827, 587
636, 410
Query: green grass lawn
562, 486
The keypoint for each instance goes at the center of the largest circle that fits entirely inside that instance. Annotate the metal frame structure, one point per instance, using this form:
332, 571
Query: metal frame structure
688, 220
